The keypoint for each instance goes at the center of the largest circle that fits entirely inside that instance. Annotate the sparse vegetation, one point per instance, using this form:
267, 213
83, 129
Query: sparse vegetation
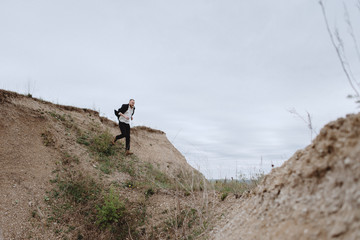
69, 159
224, 195
83, 139
89, 207
78, 190
65, 119
149, 192
48, 139
111, 210
74, 196
106, 211
189, 219
57, 116
237, 187
85, 205
101, 144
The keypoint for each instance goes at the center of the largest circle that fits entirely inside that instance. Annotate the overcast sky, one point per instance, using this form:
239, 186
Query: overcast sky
217, 76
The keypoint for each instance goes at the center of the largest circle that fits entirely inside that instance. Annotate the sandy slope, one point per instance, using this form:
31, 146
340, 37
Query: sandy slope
26, 164
313, 195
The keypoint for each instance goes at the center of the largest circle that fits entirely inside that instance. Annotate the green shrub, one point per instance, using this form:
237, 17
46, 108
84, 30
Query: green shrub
80, 190
48, 139
101, 144
111, 211
223, 196
58, 116
149, 192
83, 139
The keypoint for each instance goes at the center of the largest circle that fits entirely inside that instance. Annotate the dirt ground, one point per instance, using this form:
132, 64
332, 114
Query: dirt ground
313, 195
28, 127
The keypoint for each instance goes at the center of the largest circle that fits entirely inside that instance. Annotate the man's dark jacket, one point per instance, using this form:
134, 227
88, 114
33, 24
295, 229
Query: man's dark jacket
122, 110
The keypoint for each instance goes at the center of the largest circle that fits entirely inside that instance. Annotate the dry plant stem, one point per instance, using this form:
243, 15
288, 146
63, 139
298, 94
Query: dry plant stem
351, 31
344, 57
184, 212
340, 53
308, 121
310, 125
129, 230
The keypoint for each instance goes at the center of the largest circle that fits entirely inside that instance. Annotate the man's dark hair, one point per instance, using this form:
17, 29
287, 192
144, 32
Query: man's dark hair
131, 99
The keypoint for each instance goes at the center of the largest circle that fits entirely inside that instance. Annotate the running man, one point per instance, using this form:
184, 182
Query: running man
124, 114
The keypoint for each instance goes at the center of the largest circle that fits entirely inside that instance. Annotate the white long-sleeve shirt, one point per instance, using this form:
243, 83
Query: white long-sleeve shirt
128, 113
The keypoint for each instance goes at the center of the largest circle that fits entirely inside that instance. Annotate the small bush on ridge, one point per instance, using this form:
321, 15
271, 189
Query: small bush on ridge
111, 211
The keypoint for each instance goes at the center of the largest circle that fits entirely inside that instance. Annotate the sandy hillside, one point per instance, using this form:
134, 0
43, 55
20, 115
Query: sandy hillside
313, 195
36, 137
57, 170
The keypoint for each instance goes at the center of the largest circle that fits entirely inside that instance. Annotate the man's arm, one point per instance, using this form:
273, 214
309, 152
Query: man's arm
121, 114
132, 114
122, 110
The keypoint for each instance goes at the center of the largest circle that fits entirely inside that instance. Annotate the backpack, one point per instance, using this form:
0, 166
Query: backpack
116, 113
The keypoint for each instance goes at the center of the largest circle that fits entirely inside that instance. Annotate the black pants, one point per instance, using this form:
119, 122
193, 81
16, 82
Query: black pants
125, 133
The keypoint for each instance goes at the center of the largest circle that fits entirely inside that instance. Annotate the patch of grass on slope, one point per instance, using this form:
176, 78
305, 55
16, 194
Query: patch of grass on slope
112, 158
83, 207
86, 207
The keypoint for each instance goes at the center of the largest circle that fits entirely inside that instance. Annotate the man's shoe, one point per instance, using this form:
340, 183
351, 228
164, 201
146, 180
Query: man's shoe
113, 141
127, 153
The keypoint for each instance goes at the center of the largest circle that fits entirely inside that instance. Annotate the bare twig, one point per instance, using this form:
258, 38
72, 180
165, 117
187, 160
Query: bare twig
343, 53
307, 120
310, 125
129, 231
351, 30
338, 46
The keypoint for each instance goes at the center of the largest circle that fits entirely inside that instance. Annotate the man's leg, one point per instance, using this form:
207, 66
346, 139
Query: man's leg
123, 130
127, 136
128, 140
